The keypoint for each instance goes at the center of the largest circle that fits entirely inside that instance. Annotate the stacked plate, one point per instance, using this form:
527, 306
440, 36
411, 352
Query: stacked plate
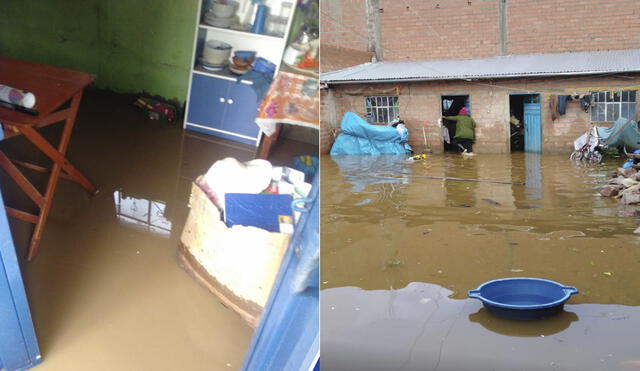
211, 66
222, 13
211, 19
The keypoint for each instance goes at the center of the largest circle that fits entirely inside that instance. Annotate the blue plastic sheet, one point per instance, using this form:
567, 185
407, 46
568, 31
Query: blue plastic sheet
624, 132
358, 137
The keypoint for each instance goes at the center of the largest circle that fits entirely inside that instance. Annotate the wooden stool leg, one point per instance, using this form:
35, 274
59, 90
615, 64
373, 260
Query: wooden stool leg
58, 156
59, 163
44, 212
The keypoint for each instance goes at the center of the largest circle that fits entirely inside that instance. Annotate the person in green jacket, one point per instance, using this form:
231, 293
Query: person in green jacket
465, 130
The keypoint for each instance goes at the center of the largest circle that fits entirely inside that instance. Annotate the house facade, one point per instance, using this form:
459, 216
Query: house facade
422, 40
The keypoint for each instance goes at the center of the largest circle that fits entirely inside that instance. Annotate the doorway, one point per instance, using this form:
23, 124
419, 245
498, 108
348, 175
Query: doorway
451, 105
525, 122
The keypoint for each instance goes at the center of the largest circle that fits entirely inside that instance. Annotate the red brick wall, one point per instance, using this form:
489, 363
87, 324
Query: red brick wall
551, 26
420, 108
343, 23
428, 29
466, 29
328, 120
343, 29
334, 58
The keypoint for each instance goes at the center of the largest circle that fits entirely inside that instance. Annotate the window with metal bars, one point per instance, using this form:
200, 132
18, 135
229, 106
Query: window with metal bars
382, 110
611, 105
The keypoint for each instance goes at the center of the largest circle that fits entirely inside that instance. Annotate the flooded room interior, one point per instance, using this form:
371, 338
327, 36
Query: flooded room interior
159, 173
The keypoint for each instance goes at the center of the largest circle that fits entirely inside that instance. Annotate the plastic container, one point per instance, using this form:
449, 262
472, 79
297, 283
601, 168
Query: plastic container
263, 65
523, 298
260, 19
276, 25
216, 52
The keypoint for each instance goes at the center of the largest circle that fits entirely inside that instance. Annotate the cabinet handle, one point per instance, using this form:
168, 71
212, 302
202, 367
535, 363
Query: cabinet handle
221, 100
230, 101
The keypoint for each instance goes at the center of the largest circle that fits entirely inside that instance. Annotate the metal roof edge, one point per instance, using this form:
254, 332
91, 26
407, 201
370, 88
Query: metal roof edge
469, 78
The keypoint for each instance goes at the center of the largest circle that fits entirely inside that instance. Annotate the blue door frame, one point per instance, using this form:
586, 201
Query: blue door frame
532, 120
18, 345
287, 337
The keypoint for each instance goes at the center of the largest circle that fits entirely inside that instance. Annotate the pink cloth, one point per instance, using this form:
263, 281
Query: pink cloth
463, 111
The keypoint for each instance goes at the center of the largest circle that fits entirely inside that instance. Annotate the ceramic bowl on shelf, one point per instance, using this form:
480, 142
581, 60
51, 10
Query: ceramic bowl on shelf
242, 62
224, 8
216, 52
239, 70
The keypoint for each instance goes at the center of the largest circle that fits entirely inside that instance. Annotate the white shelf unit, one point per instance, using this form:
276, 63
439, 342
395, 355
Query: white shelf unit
266, 46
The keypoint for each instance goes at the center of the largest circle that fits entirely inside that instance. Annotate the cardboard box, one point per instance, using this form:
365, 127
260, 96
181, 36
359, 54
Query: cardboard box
238, 264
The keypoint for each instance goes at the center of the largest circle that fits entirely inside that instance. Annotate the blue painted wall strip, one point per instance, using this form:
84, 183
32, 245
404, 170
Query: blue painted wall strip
18, 345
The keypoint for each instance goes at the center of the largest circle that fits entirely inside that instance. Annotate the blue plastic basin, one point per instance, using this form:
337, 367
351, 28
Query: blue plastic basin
246, 54
523, 298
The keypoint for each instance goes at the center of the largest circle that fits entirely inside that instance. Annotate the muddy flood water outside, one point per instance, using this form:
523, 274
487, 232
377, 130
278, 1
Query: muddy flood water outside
401, 248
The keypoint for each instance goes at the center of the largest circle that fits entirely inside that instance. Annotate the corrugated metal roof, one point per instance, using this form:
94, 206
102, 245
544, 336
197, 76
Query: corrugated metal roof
494, 67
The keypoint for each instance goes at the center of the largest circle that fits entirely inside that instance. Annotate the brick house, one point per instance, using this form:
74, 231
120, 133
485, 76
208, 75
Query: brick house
518, 55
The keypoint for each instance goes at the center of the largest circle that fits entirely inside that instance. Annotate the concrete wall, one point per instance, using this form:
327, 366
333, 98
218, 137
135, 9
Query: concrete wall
420, 107
466, 29
132, 46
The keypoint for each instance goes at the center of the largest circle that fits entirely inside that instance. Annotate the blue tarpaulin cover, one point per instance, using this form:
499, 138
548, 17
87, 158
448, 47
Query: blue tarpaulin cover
358, 137
623, 132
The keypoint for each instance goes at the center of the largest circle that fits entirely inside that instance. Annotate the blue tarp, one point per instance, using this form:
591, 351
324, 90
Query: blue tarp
623, 132
358, 137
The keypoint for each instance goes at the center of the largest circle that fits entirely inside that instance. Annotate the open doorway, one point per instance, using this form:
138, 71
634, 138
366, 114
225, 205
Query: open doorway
451, 105
524, 122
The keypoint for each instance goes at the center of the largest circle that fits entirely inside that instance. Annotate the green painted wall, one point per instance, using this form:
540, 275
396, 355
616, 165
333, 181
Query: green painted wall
130, 45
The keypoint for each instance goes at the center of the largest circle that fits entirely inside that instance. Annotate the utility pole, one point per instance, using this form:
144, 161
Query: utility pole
503, 27
373, 29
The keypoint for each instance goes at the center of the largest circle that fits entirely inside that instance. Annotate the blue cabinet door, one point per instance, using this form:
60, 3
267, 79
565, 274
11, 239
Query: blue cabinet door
287, 337
18, 346
242, 109
207, 101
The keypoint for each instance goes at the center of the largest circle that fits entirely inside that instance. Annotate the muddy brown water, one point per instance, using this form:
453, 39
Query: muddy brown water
400, 250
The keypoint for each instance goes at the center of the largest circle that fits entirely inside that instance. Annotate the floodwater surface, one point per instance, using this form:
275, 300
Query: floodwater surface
401, 247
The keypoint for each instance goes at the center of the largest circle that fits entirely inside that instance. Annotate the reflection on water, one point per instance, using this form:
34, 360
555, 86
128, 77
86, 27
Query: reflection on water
545, 327
362, 171
388, 224
142, 214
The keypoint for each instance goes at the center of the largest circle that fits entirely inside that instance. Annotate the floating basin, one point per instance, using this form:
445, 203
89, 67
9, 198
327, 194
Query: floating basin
523, 298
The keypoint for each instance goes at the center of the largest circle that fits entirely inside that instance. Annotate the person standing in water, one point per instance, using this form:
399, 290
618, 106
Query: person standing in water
465, 130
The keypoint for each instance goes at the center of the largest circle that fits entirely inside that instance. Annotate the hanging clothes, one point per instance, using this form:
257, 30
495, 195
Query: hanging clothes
562, 104
446, 104
445, 134
553, 104
585, 102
